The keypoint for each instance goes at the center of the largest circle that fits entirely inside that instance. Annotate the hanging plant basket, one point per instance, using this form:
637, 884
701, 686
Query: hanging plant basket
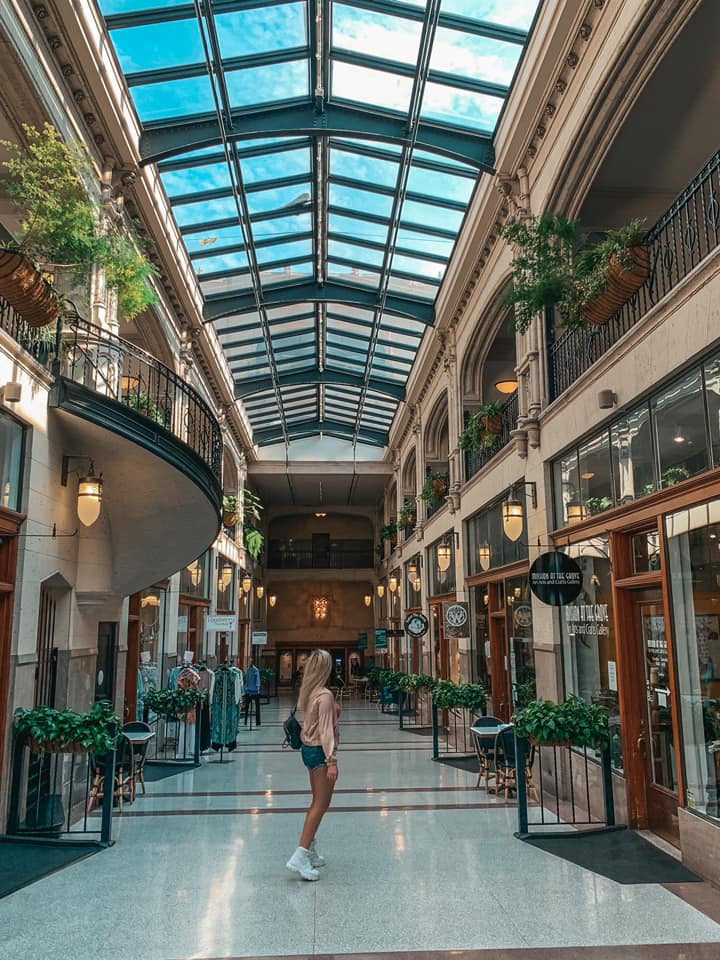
229, 518
439, 488
55, 746
493, 424
27, 290
623, 283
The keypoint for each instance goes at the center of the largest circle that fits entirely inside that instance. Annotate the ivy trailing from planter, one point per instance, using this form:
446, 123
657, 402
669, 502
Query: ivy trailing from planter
434, 482
483, 428
47, 730
173, 704
408, 514
574, 723
389, 531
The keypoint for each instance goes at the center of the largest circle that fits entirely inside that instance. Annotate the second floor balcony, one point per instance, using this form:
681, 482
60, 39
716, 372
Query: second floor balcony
475, 460
320, 554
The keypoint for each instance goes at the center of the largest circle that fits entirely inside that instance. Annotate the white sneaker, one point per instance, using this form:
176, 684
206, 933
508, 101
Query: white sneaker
316, 859
300, 863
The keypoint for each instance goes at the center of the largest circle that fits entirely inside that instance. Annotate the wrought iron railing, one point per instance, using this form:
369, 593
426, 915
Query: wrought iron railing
687, 233
476, 459
302, 555
118, 369
38, 341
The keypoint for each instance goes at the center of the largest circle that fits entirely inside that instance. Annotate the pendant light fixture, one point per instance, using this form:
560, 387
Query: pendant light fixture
392, 584
513, 510
272, 599
506, 386
484, 556
260, 591
443, 552
89, 497
368, 599
381, 590
246, 584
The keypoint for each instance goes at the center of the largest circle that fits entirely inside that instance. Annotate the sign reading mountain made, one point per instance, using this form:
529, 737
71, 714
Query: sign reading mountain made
555, 579
381, 639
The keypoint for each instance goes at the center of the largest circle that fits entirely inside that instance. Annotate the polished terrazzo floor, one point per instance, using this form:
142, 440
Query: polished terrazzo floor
419, 863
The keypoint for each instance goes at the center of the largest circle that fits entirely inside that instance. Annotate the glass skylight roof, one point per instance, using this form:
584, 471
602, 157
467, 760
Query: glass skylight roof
320, 159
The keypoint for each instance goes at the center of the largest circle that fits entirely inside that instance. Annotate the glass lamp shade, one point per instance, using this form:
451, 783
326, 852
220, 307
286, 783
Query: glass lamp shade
392, 584
246, 584
485, 556
417, 584
196, 572
575, 512
226, 572
272, 599
368, 599
89, 502
506, 386
444, 556
513, 518
380, 590
412, 571
260, 592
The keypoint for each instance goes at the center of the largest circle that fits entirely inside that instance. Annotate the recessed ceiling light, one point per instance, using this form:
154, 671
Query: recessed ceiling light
320, 515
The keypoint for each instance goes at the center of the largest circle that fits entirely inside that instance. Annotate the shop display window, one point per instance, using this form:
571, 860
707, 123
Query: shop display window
488, 547
589, 643
693, 536
12, 435
680, 434
520, 633
480, 611
440, 557
194, 578
633, 461
712, 394
152, 647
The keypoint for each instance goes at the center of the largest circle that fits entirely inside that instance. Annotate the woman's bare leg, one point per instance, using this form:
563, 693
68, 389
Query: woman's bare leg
322, 791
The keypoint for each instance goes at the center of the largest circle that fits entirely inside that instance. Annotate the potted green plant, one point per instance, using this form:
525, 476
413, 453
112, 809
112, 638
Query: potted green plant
47, 730
147, 406
482, 428
595, 505
230, 510
434, 488
389, 532
609, 273
173, 704
408, 514
674, 475
447, 695
62, 232
573, 723
253, 536
254, 540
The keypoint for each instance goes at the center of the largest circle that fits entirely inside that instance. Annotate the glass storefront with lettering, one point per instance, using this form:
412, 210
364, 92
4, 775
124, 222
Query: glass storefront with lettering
152, 669
589, 637
693, 537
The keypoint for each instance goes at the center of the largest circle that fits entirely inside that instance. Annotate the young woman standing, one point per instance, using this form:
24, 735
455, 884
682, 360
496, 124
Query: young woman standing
320, 737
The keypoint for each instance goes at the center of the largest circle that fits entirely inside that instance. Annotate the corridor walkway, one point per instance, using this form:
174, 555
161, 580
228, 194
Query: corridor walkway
418, 860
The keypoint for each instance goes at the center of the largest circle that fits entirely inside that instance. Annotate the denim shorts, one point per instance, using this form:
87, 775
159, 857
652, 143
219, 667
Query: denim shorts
313, 757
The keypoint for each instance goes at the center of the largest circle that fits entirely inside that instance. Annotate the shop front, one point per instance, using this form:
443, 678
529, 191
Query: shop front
441, 658
147, 663
193, 608
411, 659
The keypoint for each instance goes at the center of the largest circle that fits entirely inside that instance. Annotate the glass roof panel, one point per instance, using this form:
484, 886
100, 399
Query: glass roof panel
422, 268
361, 200
347, 251
180, 183
375, 87
274, 165
353, 274
362, 229
413, 240
370, 169
464, 108
509, 13
228, 261
391, 38
258, 30
173, 98
292, 272
478, 58
430, 215
127, 6
300, 248
441, 185
423, 291
266, 84
282, 227
188, 214
159, 45
277, 198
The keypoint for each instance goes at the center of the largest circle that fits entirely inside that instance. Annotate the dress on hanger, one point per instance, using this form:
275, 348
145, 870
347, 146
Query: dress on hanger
225, 713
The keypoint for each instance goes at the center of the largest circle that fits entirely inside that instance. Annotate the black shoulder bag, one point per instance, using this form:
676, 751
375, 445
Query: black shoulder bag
292, 728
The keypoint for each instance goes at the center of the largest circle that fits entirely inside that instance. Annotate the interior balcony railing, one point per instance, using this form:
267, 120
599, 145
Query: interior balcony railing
312, 555
117, 369
37, 341
683, 237
475, 460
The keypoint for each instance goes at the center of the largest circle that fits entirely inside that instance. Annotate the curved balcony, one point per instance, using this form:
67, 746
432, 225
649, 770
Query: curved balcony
157, 443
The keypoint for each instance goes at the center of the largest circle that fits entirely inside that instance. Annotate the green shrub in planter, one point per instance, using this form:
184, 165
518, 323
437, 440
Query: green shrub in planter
172, 704
574, 722
412, 682
447, 694
267, 675
48, 730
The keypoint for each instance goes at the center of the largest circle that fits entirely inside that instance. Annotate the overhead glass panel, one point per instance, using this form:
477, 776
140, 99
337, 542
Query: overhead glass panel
352, 274
180, 183
391, 38
477, 58
173, 98
229, 261
361, 229
159, 45
130, 6
444, 186
272, 166
460, 108
428, 269
359, 167
277, 251
431, 215
259, 30
411, 288
282, 226
275, 81
263, 201
347, 251
375, 87
518, 13
195, 213
433, 246
361, 200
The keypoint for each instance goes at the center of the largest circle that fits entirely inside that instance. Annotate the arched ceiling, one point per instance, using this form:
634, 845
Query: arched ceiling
319, 158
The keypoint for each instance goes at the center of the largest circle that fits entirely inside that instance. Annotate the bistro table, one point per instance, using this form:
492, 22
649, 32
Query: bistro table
138, 739
484, 739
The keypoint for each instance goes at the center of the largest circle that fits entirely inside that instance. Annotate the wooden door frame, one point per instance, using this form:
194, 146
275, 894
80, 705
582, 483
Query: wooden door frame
10, 523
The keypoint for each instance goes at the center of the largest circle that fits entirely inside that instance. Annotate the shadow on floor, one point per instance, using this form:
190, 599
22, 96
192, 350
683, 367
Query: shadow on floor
23, 862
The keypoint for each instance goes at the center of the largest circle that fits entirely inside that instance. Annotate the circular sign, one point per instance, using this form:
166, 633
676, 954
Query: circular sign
100, 678
555, 579
416, 624
456, 615
522, 615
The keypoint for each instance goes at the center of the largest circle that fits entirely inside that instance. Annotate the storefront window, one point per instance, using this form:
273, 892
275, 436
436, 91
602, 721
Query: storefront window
152, 668
480, 599
522, 658
679, 418
441, 564
194, 578
394, 595
226, 590
11, 452
488, 547
712, 393
632, 456
595, 479
413, 582
589, 642
694, 564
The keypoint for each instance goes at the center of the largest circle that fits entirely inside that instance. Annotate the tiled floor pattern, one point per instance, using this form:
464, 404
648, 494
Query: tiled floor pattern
417, 861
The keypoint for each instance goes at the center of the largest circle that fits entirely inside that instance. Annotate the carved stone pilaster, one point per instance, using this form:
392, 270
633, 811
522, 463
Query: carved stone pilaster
520, 439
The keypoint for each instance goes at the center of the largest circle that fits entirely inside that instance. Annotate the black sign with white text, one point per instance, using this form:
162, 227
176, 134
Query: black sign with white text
555, 579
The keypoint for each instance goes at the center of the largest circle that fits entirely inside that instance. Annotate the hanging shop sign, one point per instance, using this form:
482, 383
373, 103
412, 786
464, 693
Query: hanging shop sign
555, 579
362, 641
396, 633
416, 624
259, 638
221, 622
381, 639
457, 619
587, 619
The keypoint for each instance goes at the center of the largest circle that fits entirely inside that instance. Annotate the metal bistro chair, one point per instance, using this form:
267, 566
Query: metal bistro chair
484, 749
139, 753
506, 765
124, 760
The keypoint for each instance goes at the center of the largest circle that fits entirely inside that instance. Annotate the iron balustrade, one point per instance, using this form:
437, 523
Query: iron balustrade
109, 365
475, 460
451, 732
37, 341
684, 236
302, 555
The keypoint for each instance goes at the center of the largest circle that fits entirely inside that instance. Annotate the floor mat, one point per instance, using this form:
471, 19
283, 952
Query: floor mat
619, 855
24, 862
161, 771
462, 763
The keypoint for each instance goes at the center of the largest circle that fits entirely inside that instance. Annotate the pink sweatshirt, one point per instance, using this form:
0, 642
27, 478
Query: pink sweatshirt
320, 723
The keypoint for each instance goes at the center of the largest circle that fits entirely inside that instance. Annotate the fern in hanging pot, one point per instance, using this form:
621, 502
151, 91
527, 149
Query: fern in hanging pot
483, 428
254, 540
230, 510
434, 488
608, 274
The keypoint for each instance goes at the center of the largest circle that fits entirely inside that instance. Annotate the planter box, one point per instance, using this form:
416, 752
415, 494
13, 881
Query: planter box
55, 746
27, 290
493, 424
623, 283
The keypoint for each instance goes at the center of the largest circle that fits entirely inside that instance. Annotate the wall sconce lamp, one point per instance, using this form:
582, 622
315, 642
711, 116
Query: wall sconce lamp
226, 574
90, 491
393, 584
513, 510
381, 590
417, 584
272, 599
485, 556
575, 511
196, 572
368, 599
412, 571
443, 552
11, 392
260, 591
246, 584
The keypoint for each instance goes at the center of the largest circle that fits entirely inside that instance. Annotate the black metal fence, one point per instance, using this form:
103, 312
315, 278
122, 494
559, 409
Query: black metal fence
563, 777
176, 741
37, 341
475, 460
61, 796
687, 233
415, 710
451, 733
118, 369
307, 555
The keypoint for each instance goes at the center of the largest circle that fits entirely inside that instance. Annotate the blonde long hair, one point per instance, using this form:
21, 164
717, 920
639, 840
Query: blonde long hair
316, 674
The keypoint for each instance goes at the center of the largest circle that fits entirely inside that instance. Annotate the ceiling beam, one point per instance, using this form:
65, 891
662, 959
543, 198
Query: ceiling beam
378, 438
165, 138
224, 305
245, 388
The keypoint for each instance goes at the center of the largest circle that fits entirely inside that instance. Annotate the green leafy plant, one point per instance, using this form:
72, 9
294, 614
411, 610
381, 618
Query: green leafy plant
252, 506
574, 722
428, 492
595, 505
267, 675
447, 694
173, 703
408, 514
54, 730
145, 405
254, 540
412, 682
674, 475
525, 690
127, 271
389, 531
476, 435
230, 503
593, 265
